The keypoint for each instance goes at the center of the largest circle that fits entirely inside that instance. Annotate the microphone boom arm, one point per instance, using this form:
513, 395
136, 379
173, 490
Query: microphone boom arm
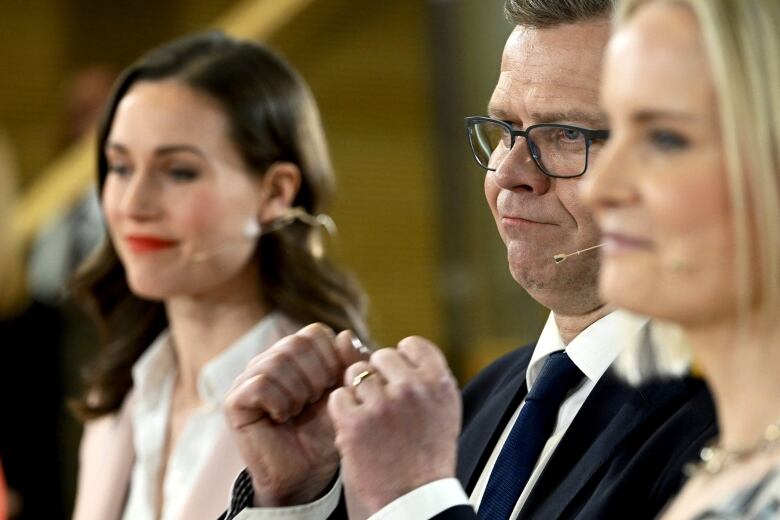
561, 257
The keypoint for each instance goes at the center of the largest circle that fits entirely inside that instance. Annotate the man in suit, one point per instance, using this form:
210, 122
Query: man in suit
547, 431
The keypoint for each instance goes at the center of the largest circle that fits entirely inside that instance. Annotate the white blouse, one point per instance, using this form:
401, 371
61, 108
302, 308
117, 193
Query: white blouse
154, 375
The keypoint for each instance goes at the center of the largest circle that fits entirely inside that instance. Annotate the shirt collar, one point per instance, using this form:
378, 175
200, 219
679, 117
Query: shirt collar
217, 376
152, 370
158, 363
593, 350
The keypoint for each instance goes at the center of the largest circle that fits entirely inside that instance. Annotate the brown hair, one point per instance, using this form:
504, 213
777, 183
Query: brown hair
273, 117
541, 14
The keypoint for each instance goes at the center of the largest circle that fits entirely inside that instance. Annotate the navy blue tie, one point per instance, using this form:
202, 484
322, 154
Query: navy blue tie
534, 425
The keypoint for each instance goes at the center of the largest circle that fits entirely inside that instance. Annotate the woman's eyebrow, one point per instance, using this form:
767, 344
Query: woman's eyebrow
161, 150
650, 115
176, 148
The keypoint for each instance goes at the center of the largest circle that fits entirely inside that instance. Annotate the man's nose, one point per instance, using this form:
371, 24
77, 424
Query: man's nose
519, 171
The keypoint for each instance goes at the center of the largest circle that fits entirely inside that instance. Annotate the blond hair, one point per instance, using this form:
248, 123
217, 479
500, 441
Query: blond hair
742, 43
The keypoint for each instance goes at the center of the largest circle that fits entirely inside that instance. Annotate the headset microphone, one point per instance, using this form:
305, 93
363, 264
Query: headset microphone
679, 265
561, 257
253, 230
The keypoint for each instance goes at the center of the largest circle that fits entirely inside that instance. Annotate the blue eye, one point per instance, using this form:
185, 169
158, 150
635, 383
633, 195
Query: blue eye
669, 141
571, 134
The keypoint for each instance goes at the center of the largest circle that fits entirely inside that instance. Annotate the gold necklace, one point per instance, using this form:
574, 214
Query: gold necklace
713, 458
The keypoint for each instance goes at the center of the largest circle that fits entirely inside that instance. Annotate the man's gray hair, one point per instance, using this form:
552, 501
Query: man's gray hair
540, 14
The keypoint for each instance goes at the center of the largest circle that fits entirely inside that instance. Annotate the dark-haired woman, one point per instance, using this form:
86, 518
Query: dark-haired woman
212, 161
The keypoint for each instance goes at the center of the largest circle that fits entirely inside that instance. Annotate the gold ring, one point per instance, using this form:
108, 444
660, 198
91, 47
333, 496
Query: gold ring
360, 377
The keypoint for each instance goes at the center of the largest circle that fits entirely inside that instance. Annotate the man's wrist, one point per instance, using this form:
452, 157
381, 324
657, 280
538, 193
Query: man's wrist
305, 495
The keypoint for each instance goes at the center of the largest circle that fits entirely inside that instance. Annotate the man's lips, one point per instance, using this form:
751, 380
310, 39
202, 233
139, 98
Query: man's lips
616, 242
141, 244
509, 220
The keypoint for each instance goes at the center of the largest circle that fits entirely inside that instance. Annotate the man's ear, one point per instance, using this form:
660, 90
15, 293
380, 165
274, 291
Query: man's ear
280, 185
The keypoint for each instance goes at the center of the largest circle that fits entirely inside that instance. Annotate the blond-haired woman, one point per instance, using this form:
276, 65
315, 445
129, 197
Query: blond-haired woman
687, 193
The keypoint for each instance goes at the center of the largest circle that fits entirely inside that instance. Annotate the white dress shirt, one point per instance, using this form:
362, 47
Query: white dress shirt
593, 351
154, 375
320, 509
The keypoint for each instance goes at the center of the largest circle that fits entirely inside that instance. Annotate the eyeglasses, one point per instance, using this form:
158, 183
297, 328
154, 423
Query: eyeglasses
558, 150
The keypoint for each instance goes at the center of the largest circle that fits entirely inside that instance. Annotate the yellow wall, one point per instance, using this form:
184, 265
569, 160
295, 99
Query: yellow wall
367, 64
32, 63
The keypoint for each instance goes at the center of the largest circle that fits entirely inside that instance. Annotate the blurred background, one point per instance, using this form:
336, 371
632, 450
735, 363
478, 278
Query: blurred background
394, 81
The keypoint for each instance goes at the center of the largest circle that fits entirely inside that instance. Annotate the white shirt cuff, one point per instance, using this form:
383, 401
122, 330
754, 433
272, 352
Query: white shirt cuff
320, 509
425, 501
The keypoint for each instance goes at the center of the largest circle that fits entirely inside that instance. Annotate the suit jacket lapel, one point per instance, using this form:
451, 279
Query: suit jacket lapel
610, 414
481, 434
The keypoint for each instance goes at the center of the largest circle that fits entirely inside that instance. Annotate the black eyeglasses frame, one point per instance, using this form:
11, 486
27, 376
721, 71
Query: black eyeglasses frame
590, 136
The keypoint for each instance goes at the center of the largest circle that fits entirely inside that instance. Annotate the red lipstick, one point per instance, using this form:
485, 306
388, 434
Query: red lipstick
145, 244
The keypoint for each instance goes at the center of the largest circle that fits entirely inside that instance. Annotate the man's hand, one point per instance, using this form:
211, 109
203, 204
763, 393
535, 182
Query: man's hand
397, 428
277, 412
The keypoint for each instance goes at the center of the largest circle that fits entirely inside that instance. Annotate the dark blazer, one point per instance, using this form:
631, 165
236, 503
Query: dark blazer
622, 457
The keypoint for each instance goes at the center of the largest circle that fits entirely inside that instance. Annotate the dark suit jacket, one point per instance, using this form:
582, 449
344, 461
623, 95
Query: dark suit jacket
621, 458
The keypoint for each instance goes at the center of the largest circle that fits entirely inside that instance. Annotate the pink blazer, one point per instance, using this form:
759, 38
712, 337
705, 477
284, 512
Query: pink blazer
106, 463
